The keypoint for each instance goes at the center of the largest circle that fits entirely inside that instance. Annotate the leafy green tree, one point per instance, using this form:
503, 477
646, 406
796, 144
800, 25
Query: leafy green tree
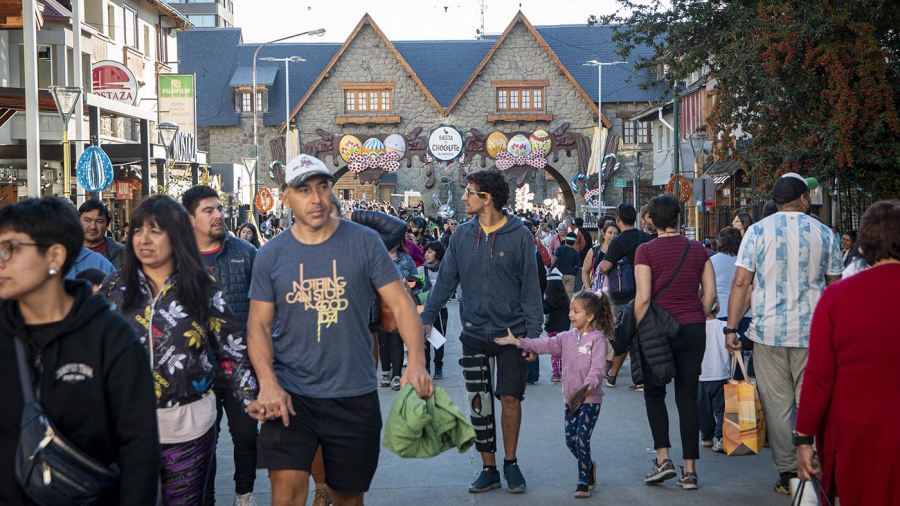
814, 83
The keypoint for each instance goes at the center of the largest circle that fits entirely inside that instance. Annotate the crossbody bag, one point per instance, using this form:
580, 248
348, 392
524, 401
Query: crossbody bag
51, 470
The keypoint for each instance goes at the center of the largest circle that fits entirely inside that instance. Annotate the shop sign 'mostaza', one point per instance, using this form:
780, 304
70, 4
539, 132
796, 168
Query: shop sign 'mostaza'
114, 81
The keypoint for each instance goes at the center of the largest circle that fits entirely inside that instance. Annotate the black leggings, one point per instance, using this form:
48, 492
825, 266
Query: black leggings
687, 350
390, 351
440, 324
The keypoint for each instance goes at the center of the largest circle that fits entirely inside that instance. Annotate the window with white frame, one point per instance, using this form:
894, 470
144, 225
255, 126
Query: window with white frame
243, 100
636, 132
131, 27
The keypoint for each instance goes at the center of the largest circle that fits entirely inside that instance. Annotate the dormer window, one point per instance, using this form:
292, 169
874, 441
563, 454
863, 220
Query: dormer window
243, 100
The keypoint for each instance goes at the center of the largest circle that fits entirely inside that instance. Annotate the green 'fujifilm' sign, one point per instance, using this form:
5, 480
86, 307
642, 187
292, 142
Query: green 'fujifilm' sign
620, 182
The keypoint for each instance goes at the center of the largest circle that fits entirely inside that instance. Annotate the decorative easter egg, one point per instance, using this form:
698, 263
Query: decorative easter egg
373, 147
94, 170
349, 145
540, 141
496, 142
519, 145
395, 143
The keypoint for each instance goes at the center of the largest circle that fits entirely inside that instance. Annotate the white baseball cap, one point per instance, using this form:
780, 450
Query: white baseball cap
304, 167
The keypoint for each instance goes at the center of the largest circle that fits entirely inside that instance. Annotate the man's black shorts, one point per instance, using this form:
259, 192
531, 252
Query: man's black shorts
512, 368
347, 428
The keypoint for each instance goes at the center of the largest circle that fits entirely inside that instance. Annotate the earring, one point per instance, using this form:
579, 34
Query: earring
53, 271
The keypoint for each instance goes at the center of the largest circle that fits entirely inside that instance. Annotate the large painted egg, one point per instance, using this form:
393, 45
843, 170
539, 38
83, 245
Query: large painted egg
395, 143
519, 145
540, 141
373, 147
496, 142
349, 145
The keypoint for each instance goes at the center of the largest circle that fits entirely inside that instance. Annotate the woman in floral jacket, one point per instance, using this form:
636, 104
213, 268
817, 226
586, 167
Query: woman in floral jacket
179, 313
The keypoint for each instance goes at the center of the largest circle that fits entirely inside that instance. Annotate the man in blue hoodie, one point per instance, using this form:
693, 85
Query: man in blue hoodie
492, 258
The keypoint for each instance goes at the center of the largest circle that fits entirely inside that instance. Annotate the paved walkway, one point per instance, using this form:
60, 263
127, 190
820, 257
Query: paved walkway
621, 445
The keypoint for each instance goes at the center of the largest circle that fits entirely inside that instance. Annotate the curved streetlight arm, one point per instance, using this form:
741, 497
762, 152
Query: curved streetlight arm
320, 32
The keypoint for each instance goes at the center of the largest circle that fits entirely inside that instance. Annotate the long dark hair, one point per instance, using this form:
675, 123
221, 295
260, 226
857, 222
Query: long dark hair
556, 294
192, 280
254, 240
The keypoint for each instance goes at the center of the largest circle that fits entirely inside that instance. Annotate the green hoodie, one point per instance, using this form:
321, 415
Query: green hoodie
423, 428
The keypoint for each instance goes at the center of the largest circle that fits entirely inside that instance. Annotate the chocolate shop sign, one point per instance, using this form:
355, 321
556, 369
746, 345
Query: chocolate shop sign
445, 143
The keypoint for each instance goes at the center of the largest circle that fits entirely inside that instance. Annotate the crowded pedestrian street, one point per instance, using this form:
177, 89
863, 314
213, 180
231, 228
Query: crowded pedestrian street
621, 445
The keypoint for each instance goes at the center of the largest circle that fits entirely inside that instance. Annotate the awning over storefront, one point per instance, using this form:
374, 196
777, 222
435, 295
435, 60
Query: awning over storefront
721, 171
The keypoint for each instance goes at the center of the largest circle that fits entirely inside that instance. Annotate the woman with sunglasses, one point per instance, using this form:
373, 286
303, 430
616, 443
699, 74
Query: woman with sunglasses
178, 311
88, 366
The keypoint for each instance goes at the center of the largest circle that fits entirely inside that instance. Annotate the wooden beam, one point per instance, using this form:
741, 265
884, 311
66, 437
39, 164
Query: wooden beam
515, 118
365, 120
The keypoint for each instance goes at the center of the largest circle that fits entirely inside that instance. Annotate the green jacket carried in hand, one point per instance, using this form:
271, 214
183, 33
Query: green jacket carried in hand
422, 428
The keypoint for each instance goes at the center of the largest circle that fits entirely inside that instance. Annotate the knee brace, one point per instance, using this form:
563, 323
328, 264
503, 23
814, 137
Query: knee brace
480, 389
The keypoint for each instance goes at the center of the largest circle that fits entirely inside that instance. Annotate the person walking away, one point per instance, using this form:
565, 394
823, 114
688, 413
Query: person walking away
318, 281
680, 265
230, 261
714, 373
434, 254
620, 256
854, 431
566, 259
171, 301
584, 351
784, 263
556, 307
83, 353
95, 220
492, 258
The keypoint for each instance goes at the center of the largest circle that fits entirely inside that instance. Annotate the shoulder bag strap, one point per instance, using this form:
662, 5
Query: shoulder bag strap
688, 248
24, 376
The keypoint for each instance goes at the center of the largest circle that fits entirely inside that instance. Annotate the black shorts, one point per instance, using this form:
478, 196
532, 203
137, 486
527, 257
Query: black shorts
512, 368
347, 428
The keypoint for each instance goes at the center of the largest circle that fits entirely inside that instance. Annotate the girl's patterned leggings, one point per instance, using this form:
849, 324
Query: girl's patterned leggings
184, 468
579, 426
555, 360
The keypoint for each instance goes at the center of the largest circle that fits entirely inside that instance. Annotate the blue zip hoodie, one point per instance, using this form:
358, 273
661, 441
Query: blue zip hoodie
498, 276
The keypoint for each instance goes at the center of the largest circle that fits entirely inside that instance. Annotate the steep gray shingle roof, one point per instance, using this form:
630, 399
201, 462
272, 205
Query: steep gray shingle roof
576, 44
444, 66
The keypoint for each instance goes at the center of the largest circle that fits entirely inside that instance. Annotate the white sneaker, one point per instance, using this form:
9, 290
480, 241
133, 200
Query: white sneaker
717, 446
244, 499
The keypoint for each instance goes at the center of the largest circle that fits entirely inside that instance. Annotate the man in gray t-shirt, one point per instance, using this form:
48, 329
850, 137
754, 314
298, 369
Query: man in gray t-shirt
319, 280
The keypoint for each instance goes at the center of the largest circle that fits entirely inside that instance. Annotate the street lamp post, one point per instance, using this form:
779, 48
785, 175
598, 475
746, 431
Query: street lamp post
600, 65
167, 132
287, 102
66, 98
250, 166
318, 32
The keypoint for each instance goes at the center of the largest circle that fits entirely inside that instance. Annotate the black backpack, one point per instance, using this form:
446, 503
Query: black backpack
621, 279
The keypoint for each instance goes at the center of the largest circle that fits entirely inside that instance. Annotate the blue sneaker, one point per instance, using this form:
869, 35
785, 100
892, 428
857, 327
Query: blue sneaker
439, 374
515, 482
488, 480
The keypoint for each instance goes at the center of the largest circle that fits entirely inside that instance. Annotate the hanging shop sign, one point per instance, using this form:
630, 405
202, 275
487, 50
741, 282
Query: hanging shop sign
445, 143
112, 80
94, 171
265, 201
124, 190
178, 102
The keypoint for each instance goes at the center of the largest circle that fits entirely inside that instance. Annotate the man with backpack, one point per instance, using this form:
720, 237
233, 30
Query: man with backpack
618, 264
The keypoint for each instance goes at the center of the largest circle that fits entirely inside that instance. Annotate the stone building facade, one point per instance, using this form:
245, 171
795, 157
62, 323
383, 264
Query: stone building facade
519, 58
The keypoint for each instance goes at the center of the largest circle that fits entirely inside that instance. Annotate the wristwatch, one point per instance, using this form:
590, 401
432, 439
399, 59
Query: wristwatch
798, 440
727, 331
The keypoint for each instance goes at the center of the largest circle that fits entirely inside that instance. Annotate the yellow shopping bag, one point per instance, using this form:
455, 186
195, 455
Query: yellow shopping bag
744, 427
